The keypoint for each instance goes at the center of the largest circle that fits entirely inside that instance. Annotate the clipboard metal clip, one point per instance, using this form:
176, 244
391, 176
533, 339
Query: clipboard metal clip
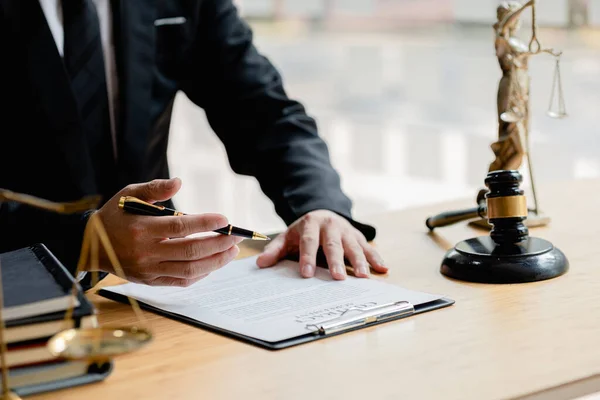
355, 317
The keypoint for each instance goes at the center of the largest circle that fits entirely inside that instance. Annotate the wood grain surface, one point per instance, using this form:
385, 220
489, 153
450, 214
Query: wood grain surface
496, 342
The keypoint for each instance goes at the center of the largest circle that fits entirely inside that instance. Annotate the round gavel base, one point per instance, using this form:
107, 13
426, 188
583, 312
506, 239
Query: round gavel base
482, 260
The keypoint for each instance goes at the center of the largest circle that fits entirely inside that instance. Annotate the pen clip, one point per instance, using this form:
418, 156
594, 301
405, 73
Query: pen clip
131, 199
364, 317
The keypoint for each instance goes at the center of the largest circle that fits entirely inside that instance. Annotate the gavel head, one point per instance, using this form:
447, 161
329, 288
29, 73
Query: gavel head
506, 207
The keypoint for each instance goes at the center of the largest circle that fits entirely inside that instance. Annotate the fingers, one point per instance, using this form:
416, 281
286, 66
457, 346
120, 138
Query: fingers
273, 252
308, 247
372, 256
156, 190
192, 270
182, 226
331, 240
191, 249
355, 254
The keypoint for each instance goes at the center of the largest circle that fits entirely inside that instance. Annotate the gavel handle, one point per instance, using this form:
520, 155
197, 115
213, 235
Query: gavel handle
452, 217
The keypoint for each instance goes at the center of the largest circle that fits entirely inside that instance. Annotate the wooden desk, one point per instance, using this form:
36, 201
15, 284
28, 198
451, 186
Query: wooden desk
496, 342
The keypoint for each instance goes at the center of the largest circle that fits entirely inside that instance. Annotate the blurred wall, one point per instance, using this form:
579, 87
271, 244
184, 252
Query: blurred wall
552, 13
549, 12
407, 105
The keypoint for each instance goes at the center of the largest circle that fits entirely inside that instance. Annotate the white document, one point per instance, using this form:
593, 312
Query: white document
271, 304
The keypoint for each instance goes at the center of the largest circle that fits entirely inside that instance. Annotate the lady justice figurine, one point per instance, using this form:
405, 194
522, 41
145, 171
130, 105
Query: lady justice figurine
513, 93
513, 111
513, 90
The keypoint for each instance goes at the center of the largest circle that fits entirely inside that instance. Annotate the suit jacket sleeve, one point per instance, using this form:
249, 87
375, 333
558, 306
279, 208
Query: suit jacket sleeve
266, 134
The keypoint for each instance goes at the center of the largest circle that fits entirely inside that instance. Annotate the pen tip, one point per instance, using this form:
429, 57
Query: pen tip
260, 236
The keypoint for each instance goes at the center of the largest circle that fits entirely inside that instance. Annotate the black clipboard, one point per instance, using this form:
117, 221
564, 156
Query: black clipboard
403, 310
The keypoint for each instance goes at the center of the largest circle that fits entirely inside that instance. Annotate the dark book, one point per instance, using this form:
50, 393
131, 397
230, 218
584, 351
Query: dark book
56, 375
41, 330
28, 354
46, 372
34, 283
38, 291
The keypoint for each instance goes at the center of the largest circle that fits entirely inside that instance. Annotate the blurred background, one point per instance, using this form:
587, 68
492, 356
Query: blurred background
404, 92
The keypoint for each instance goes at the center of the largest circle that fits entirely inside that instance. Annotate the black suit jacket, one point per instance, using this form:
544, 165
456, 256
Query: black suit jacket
210, 57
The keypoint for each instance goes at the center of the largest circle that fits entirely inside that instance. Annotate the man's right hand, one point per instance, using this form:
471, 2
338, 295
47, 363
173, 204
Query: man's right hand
156, 250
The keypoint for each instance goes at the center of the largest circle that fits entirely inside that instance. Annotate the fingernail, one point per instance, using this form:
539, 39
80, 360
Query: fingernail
339, 269
308, 270
236, 251
381, 264
364, 269
238, 239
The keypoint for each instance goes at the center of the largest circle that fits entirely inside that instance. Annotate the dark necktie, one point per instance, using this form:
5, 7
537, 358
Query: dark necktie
84, 61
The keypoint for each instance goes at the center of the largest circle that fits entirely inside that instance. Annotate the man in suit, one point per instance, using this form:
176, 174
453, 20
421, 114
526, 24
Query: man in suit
88, 88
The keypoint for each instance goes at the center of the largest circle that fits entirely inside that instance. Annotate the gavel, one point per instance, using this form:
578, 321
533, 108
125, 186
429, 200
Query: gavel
481, 211
508, 254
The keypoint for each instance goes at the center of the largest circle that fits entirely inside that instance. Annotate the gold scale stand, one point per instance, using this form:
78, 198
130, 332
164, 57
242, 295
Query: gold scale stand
556, 110
94, 345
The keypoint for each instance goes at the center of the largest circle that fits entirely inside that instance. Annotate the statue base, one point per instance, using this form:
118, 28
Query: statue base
482, 260
532, 221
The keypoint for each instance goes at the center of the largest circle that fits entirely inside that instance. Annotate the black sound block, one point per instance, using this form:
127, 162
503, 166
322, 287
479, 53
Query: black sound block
482, 260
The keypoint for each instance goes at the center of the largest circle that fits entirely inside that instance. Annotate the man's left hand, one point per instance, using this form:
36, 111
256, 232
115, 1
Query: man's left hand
338, 239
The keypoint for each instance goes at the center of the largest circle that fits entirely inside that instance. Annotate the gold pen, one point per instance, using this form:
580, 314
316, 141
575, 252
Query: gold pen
133, 205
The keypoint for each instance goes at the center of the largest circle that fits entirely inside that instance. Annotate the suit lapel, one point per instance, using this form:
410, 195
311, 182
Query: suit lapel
49, 79
135, 39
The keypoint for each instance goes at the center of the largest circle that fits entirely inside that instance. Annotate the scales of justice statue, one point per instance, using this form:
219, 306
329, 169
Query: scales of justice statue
513, 102
94, 345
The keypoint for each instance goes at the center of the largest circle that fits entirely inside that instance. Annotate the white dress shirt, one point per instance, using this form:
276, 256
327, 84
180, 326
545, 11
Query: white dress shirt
54, 15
